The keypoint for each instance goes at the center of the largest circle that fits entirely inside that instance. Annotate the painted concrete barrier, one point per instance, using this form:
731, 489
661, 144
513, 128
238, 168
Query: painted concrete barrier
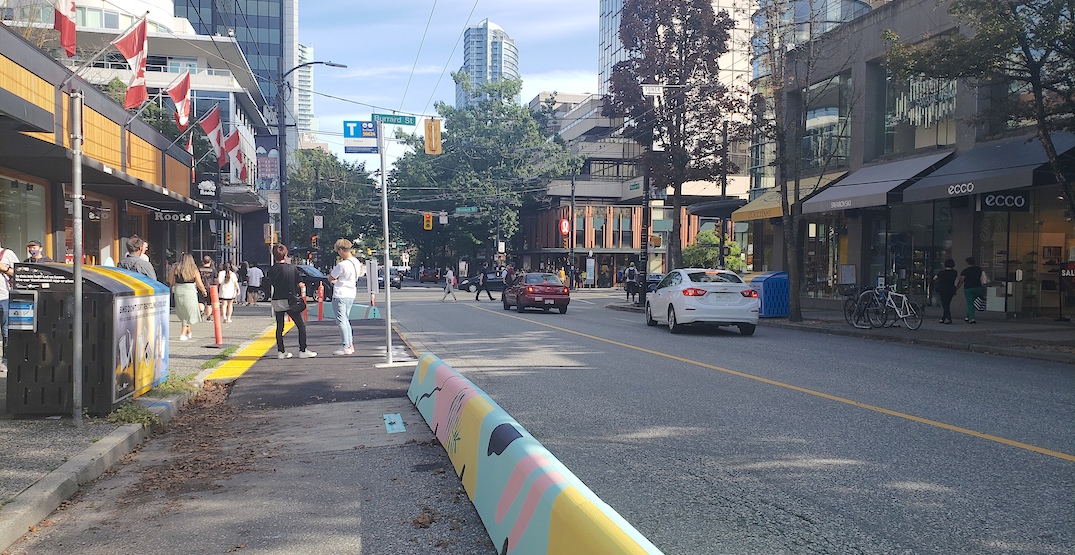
358, 311
528, 500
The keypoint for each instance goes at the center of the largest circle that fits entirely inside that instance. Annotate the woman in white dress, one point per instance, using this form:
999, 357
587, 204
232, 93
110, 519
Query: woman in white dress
228, 288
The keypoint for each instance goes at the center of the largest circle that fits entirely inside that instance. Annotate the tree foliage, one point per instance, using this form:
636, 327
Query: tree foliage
1026, 47
675, 44
494, 158
705, 253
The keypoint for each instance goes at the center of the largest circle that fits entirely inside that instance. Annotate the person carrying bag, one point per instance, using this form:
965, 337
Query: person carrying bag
288, 298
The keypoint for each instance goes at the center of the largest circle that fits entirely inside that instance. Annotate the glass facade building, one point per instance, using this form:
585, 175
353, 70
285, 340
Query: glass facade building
489, 55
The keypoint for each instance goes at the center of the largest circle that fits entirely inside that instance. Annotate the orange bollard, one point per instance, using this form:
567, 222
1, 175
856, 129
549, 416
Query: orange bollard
320, 301
214, 298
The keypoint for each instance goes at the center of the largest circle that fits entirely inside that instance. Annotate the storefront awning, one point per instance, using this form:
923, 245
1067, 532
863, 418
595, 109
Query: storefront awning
721, 208
989, 167
871, 186
769, 204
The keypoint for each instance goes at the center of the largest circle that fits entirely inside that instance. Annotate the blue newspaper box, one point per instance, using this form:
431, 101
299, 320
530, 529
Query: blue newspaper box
774, 293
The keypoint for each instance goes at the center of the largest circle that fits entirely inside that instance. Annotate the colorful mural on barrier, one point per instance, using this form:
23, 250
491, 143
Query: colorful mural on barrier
528, 500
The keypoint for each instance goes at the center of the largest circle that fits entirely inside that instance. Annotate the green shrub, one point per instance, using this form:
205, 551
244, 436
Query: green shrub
133, 412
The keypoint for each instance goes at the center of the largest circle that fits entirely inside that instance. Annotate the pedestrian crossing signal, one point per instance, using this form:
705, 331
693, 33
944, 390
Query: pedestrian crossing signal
427, 221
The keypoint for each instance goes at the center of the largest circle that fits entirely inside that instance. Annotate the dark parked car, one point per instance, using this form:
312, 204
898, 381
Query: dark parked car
309, 275
429, 274
471, 283
397, 278
652, 280
537, 290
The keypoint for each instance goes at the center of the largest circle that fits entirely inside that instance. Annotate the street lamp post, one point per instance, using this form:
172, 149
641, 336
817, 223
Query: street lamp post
281, 138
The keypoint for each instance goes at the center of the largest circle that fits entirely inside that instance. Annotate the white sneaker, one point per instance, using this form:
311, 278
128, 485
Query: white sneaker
184, 337
307, 354
350, 349
283, 355
340, 352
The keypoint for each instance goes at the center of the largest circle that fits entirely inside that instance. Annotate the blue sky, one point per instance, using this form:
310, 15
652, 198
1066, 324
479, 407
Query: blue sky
379, 42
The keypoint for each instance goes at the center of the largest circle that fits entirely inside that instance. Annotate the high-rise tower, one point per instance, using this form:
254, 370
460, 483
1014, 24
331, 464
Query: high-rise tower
489, 55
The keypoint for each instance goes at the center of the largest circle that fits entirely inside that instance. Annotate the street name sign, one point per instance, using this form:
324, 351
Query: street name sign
394, 119
466, 209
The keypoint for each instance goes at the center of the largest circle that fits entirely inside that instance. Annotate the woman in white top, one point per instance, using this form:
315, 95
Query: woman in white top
344, 278
449, 283
228, 287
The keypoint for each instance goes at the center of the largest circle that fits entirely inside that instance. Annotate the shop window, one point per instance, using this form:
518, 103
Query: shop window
22, 214
919, 113
826, 140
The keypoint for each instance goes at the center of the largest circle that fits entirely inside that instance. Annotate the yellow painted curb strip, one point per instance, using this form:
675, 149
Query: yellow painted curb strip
241, 361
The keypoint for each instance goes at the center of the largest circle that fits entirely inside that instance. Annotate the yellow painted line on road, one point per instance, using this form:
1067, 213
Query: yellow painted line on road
243, 359
882, 410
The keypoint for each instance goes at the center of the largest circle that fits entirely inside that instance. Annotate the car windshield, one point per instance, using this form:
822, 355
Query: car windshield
543, 279
311, 271
713, 276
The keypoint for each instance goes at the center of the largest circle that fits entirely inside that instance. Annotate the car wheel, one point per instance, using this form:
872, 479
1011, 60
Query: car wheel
673, 326
519, 305
504, 299
563, 310
649, 317
472, 288
746, 329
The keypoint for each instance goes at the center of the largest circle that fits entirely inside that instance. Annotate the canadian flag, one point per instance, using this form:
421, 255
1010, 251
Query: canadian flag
233, 145
214, 132
64, 22
134, 45
180, 95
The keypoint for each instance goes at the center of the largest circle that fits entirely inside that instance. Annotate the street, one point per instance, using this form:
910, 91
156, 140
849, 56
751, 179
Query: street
785, 442
707, 442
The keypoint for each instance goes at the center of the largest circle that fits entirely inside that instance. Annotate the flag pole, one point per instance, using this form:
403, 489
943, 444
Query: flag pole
190, 127
97, 55
160, 93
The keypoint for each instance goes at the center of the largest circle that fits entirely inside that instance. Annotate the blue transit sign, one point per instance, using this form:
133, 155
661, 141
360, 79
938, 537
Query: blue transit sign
359, 137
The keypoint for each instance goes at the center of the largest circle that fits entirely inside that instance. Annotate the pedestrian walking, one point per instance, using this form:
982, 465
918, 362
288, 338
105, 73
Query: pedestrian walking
344, 278
35, 254
242, 272
483, 283
630, 282
973, 280
285, 285
186, 283
133, 261
228, 290
209, 275
946, 281
254, 278
7, 268
449, 285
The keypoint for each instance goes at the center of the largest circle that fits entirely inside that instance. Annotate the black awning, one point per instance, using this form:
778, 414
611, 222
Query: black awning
989, 167
871, 186
720, 208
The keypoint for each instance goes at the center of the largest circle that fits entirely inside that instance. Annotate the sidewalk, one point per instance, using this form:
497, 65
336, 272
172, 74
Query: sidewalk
34, 448
1030, 338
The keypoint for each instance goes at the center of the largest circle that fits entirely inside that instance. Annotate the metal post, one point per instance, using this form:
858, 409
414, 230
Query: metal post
387, 253
77, 236
281, 147
571, 239
644, 257
723, 191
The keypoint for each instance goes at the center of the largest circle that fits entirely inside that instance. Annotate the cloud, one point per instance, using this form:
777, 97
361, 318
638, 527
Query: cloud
564, 81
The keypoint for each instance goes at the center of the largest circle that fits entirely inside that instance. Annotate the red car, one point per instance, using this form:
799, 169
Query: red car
537, 290
429, 274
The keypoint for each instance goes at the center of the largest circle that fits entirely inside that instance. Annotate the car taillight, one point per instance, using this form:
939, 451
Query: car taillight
749, 293
694, 292
566, 291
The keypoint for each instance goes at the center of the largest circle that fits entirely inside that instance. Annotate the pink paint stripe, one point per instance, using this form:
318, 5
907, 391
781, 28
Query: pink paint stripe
533, 497
522, 469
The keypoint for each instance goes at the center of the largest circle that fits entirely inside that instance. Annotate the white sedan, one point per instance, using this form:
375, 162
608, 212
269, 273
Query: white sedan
698, 295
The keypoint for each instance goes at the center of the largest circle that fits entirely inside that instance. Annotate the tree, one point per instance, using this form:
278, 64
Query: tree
493, 159
675, 44
705, 253
1026, 48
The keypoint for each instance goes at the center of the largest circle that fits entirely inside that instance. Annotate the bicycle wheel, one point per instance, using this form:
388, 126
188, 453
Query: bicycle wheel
876, 313
913, 318
849, 311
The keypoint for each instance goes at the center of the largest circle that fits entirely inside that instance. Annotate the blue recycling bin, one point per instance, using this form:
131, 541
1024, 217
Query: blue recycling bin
774, 293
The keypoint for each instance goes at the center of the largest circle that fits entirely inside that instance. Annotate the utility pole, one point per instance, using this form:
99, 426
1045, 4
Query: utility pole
76, 239
281, 150
571, 239
723, 190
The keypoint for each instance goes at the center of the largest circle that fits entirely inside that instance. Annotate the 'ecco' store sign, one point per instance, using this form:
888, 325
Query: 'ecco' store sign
1005, 201
172, 217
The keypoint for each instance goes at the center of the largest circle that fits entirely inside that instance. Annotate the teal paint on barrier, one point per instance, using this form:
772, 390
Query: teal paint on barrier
393, 423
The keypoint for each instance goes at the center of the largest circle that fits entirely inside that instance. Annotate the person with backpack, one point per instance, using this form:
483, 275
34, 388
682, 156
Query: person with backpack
630, 282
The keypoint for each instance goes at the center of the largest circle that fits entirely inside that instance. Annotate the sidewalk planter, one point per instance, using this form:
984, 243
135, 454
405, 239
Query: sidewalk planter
124, 338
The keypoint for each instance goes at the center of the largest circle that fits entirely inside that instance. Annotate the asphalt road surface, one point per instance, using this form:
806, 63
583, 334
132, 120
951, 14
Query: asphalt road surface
784, 442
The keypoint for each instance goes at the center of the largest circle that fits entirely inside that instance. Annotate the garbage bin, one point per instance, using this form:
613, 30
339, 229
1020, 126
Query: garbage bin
774, 293
124, 338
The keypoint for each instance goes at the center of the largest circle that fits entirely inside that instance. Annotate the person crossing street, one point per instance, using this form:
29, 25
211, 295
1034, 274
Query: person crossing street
483, 284
449, 285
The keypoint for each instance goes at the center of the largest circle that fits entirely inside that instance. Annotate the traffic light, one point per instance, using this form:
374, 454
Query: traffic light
427, 221
566, 244
433, 137
313, 241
